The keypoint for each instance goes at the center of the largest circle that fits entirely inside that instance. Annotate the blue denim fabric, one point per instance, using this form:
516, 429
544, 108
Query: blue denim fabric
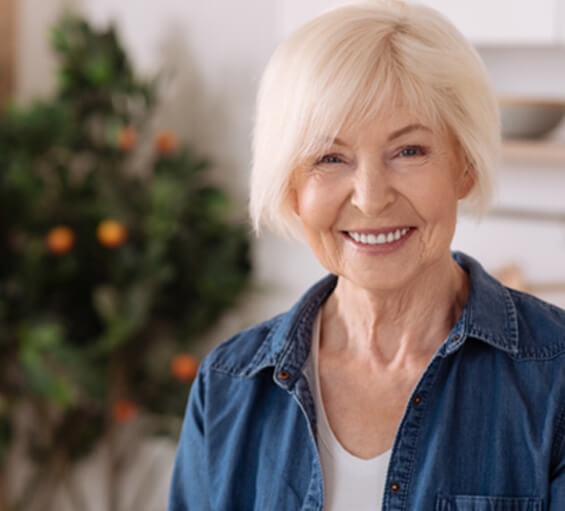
484, 430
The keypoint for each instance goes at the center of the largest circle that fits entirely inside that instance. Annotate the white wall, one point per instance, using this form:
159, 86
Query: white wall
35, 64
214, 51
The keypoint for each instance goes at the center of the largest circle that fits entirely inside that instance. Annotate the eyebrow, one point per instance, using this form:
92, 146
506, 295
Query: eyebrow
407, 129
394, 134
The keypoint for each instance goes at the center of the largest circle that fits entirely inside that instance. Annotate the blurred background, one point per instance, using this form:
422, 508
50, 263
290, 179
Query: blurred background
126, 256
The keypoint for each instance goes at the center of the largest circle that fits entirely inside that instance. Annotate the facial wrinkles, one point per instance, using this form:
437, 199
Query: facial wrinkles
325, 200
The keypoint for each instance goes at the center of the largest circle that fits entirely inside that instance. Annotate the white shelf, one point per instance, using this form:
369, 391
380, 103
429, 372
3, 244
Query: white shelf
545, 152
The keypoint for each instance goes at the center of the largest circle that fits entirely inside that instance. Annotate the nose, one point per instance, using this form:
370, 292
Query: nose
373, 191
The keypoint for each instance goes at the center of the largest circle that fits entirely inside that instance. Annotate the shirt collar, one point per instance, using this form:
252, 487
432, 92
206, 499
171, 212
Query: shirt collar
489, 315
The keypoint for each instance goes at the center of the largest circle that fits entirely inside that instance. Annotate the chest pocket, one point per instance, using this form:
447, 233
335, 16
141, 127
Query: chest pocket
486, 503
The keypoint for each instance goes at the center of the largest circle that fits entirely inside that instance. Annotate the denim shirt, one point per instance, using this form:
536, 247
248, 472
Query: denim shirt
484, 429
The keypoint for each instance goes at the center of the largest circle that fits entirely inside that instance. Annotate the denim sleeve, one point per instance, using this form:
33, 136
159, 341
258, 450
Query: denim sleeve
189, 484
557, 489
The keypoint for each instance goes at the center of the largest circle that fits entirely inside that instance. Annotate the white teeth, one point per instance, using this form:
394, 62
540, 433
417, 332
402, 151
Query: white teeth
380, 239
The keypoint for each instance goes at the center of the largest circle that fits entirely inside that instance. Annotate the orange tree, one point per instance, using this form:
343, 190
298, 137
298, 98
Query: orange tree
111, 265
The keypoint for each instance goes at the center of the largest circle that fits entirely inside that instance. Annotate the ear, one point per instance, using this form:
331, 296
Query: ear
466, 182
292, 195
293, 200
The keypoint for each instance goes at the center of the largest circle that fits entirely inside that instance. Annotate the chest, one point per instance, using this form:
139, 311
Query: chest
482, 426
364, 409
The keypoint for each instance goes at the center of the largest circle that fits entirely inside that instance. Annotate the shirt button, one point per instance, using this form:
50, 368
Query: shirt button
417, 399
456, 338
283, 375
394, 487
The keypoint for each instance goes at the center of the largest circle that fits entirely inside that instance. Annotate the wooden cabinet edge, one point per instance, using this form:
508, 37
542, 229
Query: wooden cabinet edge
7, 47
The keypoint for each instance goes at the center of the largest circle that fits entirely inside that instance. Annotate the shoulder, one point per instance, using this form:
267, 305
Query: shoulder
541, 326
283, 339
518, 323
236, 355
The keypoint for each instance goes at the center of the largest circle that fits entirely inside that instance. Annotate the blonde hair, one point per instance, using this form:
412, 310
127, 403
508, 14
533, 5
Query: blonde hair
351, 64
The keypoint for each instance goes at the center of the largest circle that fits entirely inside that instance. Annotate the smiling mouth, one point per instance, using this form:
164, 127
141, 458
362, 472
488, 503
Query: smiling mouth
378, 239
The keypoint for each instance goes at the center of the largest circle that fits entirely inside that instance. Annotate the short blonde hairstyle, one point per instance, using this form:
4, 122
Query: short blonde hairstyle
349, 65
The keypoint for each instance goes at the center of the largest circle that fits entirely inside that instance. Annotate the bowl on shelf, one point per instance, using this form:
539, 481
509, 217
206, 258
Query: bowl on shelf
528, 118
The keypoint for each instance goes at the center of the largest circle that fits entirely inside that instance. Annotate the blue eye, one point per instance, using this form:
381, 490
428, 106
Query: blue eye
330, 158
413, 150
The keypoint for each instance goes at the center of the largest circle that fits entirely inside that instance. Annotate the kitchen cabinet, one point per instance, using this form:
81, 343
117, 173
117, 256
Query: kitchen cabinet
505, 22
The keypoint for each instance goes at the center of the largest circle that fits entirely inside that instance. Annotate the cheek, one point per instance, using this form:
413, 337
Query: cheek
435, 202
317, 205
437, 195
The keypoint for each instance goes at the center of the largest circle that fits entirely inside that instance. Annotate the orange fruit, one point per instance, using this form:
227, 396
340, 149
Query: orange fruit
184, 367
124, 411
111, 233
60, 240
166, 143
127, 137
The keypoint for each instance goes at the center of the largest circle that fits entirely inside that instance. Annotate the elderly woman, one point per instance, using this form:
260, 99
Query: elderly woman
409, 378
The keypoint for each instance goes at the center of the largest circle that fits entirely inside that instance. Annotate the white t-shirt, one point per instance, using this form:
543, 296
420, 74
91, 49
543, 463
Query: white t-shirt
349, 482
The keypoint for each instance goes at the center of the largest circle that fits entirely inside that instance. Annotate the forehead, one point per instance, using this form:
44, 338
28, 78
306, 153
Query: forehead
387, 109
391, 124
389, 121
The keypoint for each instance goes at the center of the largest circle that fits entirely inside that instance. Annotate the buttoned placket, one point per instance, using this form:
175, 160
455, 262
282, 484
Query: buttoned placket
403, 457
299, 390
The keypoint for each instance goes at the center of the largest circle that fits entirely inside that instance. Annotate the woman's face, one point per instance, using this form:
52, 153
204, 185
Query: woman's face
379, 208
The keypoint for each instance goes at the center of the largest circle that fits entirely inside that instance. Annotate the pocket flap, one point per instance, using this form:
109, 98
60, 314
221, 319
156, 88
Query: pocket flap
487, 503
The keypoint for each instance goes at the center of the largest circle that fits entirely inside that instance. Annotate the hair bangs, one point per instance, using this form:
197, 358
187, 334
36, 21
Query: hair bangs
350, 100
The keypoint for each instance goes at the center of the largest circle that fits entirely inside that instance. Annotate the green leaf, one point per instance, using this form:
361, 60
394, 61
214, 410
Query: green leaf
105, 299
47, 384
98, 70
59, 40
41, 336
38, 344
217, 203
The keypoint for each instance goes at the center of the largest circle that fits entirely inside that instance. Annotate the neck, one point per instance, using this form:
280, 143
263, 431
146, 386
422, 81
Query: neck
393, 327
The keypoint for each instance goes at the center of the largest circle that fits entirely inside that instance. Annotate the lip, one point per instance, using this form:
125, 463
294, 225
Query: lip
379, 249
